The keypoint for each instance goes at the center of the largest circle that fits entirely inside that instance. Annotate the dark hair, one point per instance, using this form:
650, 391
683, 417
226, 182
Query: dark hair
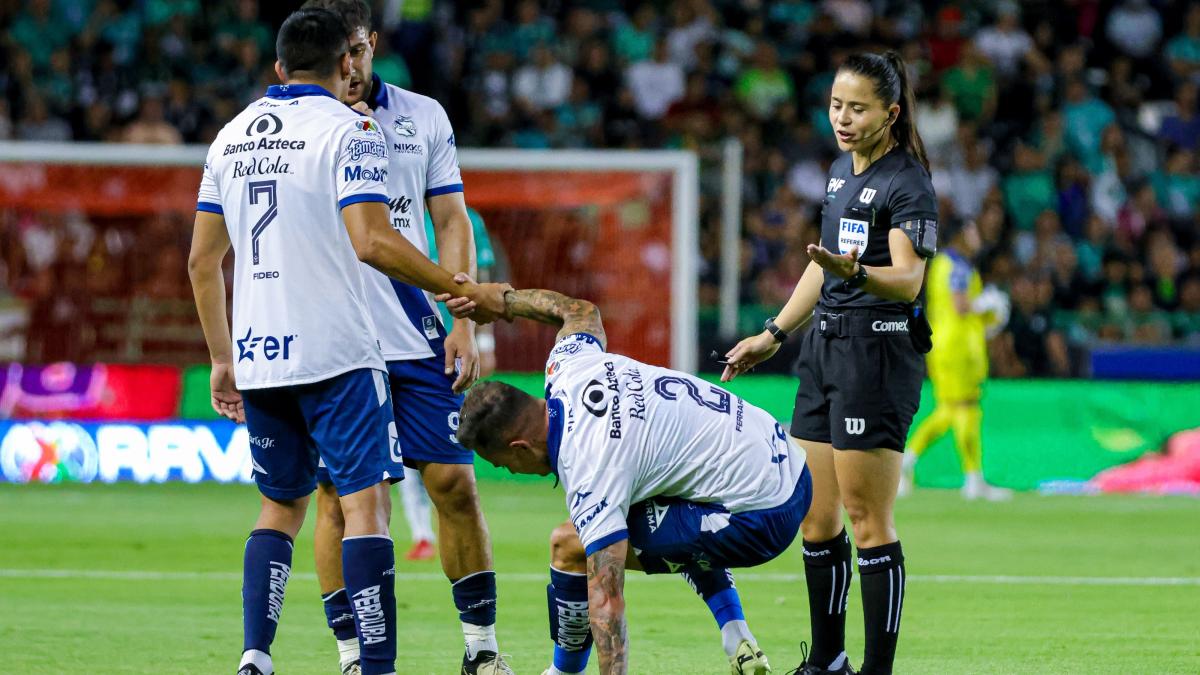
312, 40
493, 415
355, 13
890, 76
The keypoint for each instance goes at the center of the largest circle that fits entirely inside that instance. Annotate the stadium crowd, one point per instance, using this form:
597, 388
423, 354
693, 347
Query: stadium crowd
1068, 130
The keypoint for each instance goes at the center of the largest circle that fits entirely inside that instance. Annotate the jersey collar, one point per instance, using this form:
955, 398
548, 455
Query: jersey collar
554, 432
286, 91
379, 94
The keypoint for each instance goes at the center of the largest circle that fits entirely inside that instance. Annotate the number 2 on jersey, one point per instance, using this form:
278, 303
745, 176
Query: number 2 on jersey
663, 387
258, 190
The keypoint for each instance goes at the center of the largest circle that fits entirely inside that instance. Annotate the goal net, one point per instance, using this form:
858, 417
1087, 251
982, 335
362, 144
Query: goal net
103, 232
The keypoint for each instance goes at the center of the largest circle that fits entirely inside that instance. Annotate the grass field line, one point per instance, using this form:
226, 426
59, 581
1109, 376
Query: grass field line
525, 577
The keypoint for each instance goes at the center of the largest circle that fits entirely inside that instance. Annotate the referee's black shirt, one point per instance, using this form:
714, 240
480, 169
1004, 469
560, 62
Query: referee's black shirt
895, 191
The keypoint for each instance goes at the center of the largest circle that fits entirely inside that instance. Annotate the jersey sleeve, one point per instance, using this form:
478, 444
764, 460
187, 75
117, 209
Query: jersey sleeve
960, 276
599, 507
362, 164
209, 197
570, 348
913, 207
442, 175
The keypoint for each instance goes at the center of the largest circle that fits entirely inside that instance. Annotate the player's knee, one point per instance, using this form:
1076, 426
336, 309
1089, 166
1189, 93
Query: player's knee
452, 490
566, 551
872, 525
329, 506
367, 511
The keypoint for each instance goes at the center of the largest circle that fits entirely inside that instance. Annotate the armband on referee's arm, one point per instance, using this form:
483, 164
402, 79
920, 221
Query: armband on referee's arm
922, 232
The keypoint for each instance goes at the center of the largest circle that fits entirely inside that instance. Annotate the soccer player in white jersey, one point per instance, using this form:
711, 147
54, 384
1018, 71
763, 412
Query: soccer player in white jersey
663, 472
296, 184
422, 174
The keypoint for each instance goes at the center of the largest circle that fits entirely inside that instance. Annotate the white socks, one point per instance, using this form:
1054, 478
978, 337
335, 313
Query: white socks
261, 660
732, 634
479, 638
347, 651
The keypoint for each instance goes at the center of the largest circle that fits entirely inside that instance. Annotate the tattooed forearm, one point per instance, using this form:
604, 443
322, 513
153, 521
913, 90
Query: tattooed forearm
606, 607
572, 314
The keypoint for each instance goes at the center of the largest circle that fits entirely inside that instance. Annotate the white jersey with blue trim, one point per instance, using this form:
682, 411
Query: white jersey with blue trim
423, 163
622, 431
280, 173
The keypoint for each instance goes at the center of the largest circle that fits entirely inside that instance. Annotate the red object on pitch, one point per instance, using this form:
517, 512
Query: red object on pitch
422, 550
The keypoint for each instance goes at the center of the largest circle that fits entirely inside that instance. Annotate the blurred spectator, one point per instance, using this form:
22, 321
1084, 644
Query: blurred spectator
1135, 28
967, 185
151, 127
946, 43
971, 86
1005, 43
1086, 117
36, 32
39, 125
543, 84
634, 40
764, 85
1183, 127
1183, 50
1177, 184
655, 84
1028, 189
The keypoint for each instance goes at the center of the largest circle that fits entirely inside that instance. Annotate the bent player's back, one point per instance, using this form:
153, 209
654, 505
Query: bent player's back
280, 173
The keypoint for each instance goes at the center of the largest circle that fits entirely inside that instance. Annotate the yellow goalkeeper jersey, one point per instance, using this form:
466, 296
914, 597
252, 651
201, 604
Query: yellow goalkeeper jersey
959, 341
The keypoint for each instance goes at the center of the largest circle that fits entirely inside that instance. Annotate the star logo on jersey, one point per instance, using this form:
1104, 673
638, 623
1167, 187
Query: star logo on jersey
405, 126
246, 346
272, 347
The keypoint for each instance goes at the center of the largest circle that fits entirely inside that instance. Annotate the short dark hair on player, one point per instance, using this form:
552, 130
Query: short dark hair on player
312, 40
493, 414
355, 13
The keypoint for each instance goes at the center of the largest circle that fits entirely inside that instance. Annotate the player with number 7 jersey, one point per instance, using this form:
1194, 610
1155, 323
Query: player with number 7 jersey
296, 184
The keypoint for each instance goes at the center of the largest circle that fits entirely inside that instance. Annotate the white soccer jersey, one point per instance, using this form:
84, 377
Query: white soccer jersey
280, 173
622, 431
423, 163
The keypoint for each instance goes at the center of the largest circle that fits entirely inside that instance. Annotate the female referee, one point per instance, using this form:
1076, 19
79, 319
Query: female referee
860, 368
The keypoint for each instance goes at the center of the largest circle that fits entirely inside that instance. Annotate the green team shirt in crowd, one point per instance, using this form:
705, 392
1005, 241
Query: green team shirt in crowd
485, 256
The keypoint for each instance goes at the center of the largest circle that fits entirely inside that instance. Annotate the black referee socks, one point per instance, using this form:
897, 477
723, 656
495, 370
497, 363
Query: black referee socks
882, 570
827, 571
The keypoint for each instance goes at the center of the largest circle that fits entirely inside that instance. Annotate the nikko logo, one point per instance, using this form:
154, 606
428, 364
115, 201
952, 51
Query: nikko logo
408, 148
266, 124
405, 126
272, 347
368, 173
361, 147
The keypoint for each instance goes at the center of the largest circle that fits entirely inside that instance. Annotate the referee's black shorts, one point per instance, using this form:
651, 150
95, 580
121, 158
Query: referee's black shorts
860, 381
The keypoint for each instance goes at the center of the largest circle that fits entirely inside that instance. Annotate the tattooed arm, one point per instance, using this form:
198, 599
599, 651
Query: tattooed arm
606, 607
556, 309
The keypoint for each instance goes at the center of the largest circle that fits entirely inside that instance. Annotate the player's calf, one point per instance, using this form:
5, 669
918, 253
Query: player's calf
369, 567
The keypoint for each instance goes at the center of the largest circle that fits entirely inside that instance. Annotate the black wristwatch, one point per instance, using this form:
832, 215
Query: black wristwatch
776, 332
857, 279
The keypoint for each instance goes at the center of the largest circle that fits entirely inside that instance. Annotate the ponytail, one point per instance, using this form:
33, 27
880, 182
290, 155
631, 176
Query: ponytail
890, 75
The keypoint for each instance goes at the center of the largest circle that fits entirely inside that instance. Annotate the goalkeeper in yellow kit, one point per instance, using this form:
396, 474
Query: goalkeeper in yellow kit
961, 313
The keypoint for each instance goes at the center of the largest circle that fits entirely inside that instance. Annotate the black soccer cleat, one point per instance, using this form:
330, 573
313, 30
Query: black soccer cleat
806, 668
352, 668
249, 669
486, 662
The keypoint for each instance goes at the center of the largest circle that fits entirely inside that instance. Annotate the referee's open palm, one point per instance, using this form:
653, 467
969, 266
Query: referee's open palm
749, 353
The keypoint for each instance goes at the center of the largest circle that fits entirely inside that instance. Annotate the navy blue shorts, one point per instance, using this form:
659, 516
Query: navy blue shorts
670, 533
426, 411
344, 422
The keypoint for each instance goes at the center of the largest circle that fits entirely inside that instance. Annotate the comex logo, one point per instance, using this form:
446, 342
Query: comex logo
272, 347
855, 425
266, 124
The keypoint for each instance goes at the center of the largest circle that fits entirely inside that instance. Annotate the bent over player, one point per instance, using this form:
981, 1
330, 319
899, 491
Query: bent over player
422, 176
295, 183
663, 472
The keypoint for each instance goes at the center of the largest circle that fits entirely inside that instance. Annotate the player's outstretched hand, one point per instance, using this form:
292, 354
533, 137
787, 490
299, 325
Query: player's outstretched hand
749, 353
226, 399
841, 266
462, 353
482, 303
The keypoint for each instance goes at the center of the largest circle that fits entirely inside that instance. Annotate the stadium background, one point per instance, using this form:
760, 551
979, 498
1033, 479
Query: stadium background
1067, 130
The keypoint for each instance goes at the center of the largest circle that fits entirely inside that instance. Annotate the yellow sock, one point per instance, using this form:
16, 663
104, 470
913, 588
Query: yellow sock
968, 435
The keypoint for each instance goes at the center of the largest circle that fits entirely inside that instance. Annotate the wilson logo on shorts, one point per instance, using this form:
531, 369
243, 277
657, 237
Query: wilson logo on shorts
855, 425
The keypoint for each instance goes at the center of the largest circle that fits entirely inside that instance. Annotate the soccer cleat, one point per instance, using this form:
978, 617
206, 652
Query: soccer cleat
352, 668
806, 668
906, 474
421, 550
975, 488
486, 662
748, 660
249, 669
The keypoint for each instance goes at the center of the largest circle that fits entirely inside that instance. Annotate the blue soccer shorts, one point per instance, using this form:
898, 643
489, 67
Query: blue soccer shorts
344, 423
670, 533
426, 411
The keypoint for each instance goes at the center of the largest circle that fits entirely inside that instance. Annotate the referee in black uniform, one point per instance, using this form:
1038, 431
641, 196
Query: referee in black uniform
860, 364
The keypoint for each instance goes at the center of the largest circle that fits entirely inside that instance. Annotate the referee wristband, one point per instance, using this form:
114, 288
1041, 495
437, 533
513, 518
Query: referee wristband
776, 332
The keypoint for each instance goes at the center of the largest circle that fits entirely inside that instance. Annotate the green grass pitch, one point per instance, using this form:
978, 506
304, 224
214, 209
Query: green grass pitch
145, 579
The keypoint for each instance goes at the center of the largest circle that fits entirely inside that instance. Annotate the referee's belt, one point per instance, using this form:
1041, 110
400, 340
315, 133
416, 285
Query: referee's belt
832, 324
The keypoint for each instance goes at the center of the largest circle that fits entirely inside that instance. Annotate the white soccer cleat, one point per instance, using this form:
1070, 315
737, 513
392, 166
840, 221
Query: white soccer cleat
906, 474
975, 488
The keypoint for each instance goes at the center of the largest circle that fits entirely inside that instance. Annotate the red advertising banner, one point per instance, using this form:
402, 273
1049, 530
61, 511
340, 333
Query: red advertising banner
89, 392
